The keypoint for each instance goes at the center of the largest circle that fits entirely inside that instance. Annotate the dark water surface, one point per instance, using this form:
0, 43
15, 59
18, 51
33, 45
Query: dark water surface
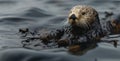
15, 14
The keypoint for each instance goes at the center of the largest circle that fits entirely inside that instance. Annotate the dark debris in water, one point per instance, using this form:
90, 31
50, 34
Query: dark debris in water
107, 15
114, 42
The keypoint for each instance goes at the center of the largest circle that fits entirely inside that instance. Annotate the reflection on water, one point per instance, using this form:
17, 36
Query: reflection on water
82, 48
34, 14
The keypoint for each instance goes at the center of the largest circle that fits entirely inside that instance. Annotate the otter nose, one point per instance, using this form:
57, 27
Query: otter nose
73, 17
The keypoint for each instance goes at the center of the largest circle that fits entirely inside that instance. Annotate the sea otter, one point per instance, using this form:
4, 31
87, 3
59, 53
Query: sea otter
83, 26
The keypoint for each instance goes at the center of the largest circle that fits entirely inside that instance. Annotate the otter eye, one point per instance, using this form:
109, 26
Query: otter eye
83, 13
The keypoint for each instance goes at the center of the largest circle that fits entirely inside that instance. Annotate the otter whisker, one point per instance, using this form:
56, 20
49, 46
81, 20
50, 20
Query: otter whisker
85, 24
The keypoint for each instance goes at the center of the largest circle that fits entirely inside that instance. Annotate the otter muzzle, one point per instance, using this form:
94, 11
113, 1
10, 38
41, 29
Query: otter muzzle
73, 17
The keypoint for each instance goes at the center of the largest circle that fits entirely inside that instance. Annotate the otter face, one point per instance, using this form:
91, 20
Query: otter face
82, 16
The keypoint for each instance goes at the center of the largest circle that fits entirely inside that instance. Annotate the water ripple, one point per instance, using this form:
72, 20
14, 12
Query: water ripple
36, 12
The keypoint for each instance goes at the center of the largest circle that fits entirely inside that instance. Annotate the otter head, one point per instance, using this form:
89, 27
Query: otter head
82, 16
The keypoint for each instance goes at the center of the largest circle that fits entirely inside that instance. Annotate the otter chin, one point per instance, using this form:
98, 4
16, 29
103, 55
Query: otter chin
82, 16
